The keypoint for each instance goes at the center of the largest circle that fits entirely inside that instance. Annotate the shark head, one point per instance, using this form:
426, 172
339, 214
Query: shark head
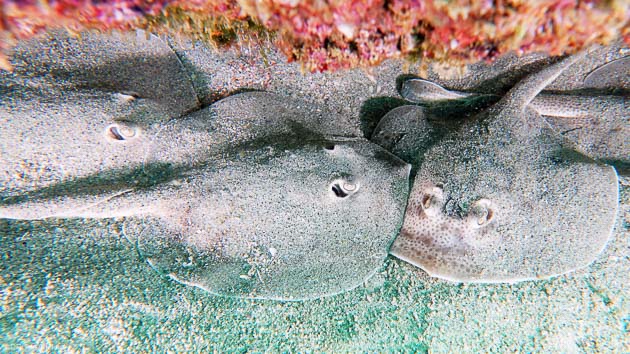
66, 116
242, 198
501, 199
279, 222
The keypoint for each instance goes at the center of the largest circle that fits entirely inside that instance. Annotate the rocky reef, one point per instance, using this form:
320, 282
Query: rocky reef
329, 35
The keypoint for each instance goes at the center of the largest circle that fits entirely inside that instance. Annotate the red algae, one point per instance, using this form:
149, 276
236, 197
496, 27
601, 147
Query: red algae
335, 34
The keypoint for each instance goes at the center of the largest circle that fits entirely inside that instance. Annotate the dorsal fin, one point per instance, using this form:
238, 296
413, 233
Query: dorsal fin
613, 74
424, 91
524, 92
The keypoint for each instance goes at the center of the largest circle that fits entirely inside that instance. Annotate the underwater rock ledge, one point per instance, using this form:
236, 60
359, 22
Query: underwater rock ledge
330, 35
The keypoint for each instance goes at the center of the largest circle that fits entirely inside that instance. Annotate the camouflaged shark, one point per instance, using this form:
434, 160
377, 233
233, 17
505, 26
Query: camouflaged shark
247, 197
592, 121
499, 196
254, 197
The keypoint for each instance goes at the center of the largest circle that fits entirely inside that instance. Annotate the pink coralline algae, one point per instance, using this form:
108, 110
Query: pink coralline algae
329, 35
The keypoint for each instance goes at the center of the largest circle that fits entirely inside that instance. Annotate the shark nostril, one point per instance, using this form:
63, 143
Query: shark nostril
329, 147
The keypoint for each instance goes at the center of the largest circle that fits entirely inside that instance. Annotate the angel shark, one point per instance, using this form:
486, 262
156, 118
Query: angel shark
253, 196
499, 197
261, 196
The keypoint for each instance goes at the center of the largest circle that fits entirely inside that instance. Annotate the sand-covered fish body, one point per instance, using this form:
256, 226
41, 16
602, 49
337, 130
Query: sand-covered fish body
74, 108
592, 122
613, 75
50, 140
286, 223
499, 198
596, 126
138, 64
244, 198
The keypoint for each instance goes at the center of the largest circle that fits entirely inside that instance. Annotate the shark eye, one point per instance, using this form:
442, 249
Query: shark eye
342, 188
432, 200
121, 132
339, 192
427, 200
482, 213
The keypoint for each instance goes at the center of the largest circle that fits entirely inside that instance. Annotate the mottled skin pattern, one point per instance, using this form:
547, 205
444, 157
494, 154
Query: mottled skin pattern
252, 197
499, 198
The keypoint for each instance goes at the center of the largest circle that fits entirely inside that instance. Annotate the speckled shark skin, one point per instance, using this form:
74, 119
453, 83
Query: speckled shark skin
254, 196
593, 122
70, 102
498, 198
248, 197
